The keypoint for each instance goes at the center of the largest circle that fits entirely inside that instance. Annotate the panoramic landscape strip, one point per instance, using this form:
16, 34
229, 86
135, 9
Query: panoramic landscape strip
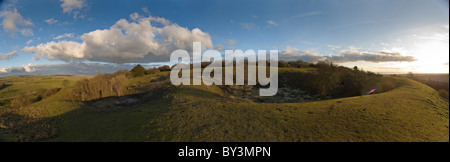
224, 71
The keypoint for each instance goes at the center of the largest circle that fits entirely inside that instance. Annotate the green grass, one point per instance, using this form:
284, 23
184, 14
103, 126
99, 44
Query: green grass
29, 84
411, 112
127, 125
295, 70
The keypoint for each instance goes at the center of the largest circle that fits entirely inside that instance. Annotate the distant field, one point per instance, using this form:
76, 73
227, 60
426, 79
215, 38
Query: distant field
410, 112
435, 77
20, 84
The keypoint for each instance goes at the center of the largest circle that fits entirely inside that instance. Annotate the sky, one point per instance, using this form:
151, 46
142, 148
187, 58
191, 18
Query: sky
76, 36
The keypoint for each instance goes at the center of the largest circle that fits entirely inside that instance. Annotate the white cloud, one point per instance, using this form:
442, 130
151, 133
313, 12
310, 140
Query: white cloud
248, 26
134, 16
334, 47
352, 48
305, 15
220, 47
226, 45
24, 68
66, 35
293, 54
230, 42
51, 21
64, 50
8, 55
437, 32
29, 41
73, 7
14, 22
435, 36
145, 10
271, 22
26, 32
136, 41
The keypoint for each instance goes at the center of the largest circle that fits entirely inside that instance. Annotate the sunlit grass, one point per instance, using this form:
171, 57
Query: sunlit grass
410, 112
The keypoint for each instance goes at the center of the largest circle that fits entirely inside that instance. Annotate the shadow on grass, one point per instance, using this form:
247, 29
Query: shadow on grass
86, 123
117, 123
91, 121
199, 91
21, 128
5, 86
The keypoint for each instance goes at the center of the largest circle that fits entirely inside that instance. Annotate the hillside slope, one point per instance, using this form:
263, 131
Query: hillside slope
411, 112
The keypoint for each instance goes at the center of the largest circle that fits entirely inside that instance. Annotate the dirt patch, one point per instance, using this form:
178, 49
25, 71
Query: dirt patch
122, 102
284, 95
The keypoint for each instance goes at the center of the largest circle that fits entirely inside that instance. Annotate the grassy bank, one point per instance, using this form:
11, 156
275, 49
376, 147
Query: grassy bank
410, 112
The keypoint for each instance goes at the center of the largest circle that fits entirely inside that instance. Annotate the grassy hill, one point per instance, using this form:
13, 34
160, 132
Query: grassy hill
410, 112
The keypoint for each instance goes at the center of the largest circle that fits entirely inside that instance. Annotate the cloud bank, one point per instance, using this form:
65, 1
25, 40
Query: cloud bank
24, 68
139, 40
65, 69
351, 55
293, 54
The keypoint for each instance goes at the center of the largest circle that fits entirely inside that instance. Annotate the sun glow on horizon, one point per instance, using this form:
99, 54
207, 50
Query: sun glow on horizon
432, 57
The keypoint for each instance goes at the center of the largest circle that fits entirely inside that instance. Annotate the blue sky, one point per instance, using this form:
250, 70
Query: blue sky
386, 36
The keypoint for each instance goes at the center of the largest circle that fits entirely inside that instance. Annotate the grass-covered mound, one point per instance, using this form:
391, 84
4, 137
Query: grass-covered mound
410, 112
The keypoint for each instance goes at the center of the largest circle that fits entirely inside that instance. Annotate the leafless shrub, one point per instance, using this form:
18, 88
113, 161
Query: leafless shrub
104, 85
152, 71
